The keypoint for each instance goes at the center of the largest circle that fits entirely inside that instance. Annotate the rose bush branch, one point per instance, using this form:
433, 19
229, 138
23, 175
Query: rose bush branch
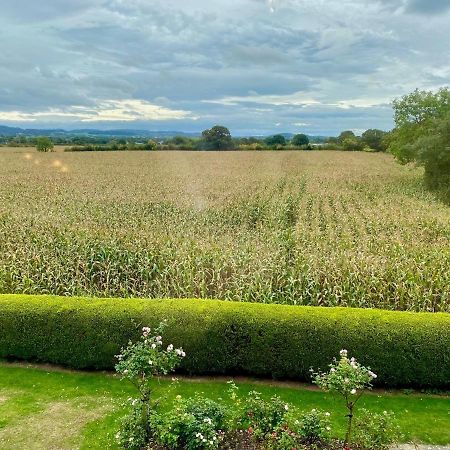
145, 359
349, 379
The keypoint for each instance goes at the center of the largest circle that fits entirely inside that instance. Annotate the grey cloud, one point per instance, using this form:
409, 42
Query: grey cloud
428, 6
183, 55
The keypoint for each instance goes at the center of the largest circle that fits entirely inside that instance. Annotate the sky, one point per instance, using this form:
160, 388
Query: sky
256, 66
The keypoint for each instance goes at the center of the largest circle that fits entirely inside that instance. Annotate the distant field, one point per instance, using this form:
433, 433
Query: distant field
319, 228
4, 148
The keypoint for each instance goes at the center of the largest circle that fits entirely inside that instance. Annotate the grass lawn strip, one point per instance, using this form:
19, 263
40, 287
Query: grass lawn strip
58, 426
82, 408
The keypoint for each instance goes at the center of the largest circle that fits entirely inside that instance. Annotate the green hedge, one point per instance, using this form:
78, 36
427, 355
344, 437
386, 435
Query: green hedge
405, 349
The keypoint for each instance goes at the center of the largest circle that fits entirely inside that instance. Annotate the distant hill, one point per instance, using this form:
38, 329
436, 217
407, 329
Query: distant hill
92, 132
14, 131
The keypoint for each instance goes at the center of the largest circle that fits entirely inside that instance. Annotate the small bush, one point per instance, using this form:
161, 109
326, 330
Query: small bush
132, 434
262, 416
402, 348
195, 423
376, 431
313, 427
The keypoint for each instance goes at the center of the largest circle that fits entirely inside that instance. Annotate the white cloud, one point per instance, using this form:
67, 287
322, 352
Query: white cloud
106, 111
300, 99
296, 99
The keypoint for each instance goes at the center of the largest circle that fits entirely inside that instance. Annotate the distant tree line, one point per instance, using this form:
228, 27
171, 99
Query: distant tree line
216, 138
371, 140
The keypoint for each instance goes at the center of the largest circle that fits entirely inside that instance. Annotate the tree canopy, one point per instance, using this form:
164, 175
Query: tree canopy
275, 140
346, 135
217, 138
375, 139
44, 144
300, 139
422, 135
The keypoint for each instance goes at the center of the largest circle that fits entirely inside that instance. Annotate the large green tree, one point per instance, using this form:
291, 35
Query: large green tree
216, 138
375, 139
300, 139
275, 140
44, 144
346, 135
422, 135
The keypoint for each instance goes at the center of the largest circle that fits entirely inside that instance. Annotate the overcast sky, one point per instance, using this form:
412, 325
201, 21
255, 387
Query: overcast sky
256, 66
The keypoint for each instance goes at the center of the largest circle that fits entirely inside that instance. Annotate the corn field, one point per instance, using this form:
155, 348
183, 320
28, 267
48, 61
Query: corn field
306, 228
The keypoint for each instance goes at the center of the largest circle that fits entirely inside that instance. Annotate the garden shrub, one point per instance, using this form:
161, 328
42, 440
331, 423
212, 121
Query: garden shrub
402, 348
376, 431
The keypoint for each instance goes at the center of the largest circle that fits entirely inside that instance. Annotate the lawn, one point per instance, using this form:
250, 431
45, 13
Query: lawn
44, 407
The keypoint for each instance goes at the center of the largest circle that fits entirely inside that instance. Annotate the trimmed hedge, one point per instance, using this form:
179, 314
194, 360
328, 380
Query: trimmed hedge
404, 349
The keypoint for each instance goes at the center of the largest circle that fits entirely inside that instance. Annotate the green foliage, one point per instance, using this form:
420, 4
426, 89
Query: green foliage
146, 358
193, 424
406, 349
422, 135
375, 431
349, 379
139, 362
352, 144
151, 145
44, 144
132, 434
180, 143
421, 107
263, 416
374, 139
346, 377
345, 135
113, 146
299, 140
216, 138
313, 427
433, 152
276, 141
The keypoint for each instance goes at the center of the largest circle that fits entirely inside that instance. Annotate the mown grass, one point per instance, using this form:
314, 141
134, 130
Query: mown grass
51, 408
318, 228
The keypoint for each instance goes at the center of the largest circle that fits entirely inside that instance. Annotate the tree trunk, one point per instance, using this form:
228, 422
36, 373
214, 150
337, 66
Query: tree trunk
349, 426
